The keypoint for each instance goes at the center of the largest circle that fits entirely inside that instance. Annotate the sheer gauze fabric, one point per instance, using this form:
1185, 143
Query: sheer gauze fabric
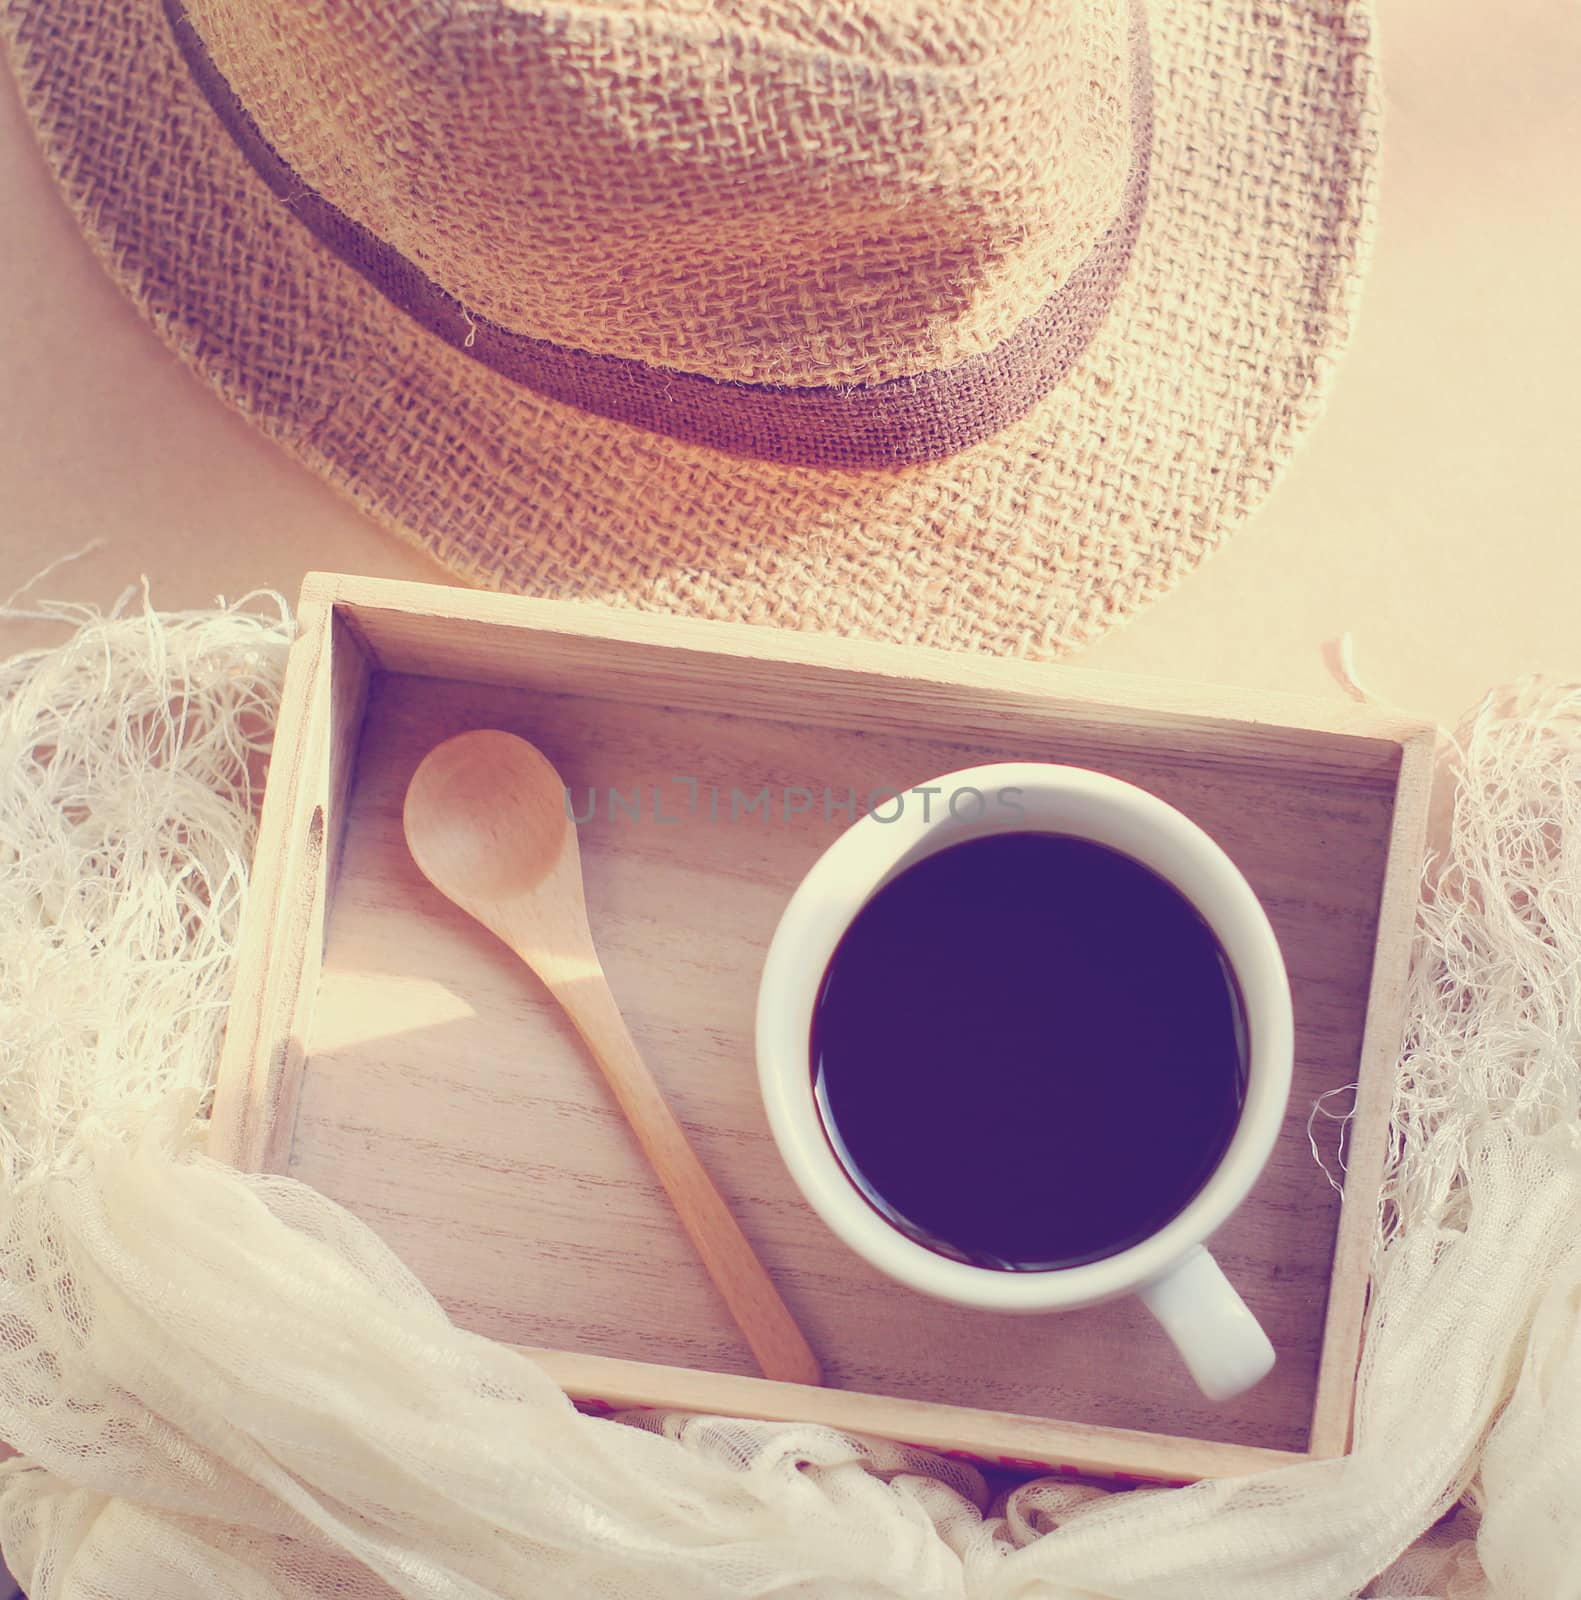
225, 1386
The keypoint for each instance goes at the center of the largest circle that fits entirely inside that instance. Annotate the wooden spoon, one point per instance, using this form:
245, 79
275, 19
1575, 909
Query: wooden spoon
486, 822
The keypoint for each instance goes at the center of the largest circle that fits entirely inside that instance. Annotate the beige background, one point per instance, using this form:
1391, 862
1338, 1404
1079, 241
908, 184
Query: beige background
1432, 515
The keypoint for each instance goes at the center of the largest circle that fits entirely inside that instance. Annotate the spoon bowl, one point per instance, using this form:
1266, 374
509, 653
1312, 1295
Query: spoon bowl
483, 804
485, 821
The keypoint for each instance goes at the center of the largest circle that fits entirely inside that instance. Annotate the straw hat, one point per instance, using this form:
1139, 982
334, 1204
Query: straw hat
961, 322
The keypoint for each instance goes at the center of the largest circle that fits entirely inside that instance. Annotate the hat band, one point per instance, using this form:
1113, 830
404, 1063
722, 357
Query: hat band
918, 417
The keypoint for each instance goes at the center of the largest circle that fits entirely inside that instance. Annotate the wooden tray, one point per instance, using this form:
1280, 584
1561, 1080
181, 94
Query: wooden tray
385, 1049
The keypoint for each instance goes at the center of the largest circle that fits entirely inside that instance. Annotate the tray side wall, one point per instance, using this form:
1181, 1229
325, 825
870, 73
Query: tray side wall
995, 1439
566, 648
1367, 1139
300, 836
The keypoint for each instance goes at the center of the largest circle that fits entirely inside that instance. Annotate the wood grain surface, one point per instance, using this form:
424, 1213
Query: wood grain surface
448, 1101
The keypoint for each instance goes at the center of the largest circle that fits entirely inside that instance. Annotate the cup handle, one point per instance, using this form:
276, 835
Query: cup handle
1223, 1346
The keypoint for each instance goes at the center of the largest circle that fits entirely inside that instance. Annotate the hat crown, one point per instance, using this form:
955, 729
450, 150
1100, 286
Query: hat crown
799, 193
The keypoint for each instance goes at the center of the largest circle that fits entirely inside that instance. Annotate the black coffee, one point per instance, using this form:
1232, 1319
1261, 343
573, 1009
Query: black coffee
1029, 1051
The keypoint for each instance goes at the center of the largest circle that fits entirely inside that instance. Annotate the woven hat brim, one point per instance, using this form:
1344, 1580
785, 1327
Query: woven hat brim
1173, 426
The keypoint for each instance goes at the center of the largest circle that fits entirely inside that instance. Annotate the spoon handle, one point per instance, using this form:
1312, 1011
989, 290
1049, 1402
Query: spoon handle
748, 1291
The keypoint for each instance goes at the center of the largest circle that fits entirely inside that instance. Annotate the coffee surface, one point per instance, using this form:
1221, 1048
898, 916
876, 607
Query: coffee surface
1029, 1051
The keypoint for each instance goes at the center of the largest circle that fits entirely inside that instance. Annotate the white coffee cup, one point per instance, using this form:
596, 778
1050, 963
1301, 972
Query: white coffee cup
1175, 1277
